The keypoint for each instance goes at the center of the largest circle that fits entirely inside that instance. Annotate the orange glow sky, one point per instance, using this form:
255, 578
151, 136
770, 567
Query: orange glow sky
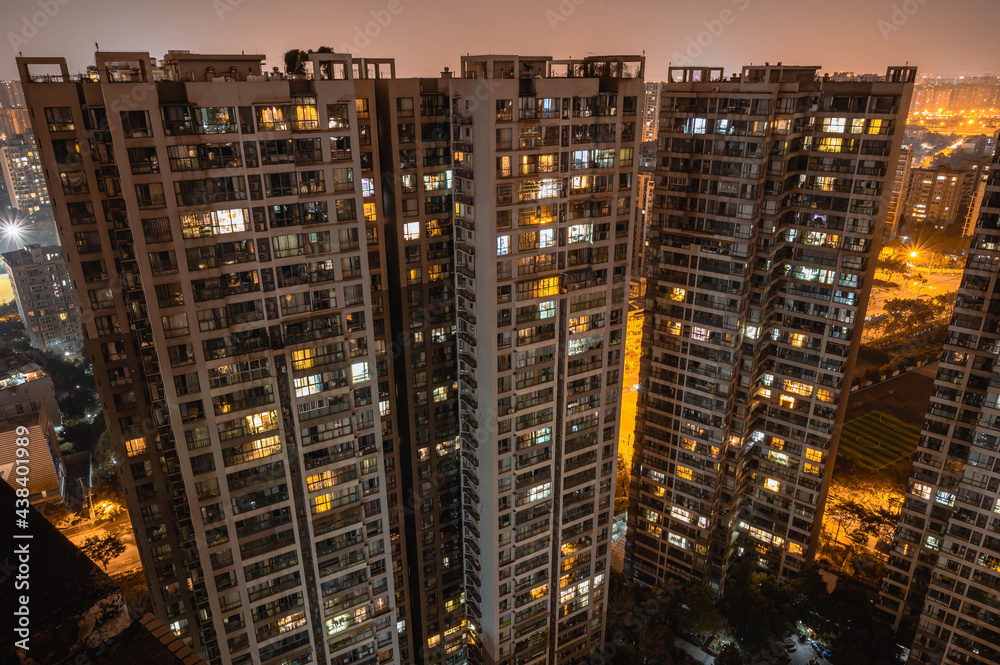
953, 37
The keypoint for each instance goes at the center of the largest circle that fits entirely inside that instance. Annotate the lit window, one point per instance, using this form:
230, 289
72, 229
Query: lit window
778, 458
814, 455
787, 401
682, 515
359, 372
411, 231
264, 421
581, 233
945, 498
503, 245
677, 541
539, 492
135, 446
685, 473
772, 485
798, 388
834, 125
921, 490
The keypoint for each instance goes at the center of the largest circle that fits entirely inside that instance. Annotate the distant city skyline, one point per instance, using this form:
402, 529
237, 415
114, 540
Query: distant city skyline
940, 39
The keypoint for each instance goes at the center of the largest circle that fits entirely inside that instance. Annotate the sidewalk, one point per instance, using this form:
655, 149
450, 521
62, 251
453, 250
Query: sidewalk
695, 652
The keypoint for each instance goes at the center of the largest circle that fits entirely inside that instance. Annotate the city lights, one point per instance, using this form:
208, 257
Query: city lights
13, 231
417, 348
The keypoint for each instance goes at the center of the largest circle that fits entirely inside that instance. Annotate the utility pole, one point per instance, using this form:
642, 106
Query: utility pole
85, 494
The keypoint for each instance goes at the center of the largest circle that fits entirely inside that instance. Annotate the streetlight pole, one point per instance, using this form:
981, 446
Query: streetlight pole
85, 494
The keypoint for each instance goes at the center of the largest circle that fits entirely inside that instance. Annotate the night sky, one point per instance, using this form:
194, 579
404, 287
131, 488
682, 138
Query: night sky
941, 37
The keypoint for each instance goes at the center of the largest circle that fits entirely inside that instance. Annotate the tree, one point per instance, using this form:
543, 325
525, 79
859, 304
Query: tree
622, 480
892, 264
866, 642
639, 631
730, 655
295, 60
693, 610
103, 547
759, 608
104, 454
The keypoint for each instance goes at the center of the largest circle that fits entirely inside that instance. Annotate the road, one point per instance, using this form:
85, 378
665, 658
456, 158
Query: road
127, 562
937, 284
801, 656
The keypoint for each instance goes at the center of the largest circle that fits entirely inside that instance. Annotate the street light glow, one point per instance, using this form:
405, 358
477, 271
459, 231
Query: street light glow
12, 231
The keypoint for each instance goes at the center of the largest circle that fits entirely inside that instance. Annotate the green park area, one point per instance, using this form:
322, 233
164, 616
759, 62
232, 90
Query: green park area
877, 439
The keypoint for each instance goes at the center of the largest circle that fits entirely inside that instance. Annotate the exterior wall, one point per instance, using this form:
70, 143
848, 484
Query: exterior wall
416, 163
542, 256
43, 290
238, 385
766, 221
232, 242
941, 584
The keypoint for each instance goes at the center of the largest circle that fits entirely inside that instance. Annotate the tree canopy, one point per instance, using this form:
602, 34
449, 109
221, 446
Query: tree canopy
103, 548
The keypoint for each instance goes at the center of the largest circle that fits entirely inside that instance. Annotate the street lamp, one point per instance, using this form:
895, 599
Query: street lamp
13, 231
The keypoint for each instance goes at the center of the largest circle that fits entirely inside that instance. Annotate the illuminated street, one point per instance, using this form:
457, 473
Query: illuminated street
630, 394
121, 526
938, 283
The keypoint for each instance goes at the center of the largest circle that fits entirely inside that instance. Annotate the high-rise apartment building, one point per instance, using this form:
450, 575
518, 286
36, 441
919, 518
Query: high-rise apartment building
937, 195
544, 189
899, 185
766, 219
218, 236
414, 146
11, 95
13, 115
640, 230
942, 583
43, 290
23, 176
651, 111
335, 454
14, 122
